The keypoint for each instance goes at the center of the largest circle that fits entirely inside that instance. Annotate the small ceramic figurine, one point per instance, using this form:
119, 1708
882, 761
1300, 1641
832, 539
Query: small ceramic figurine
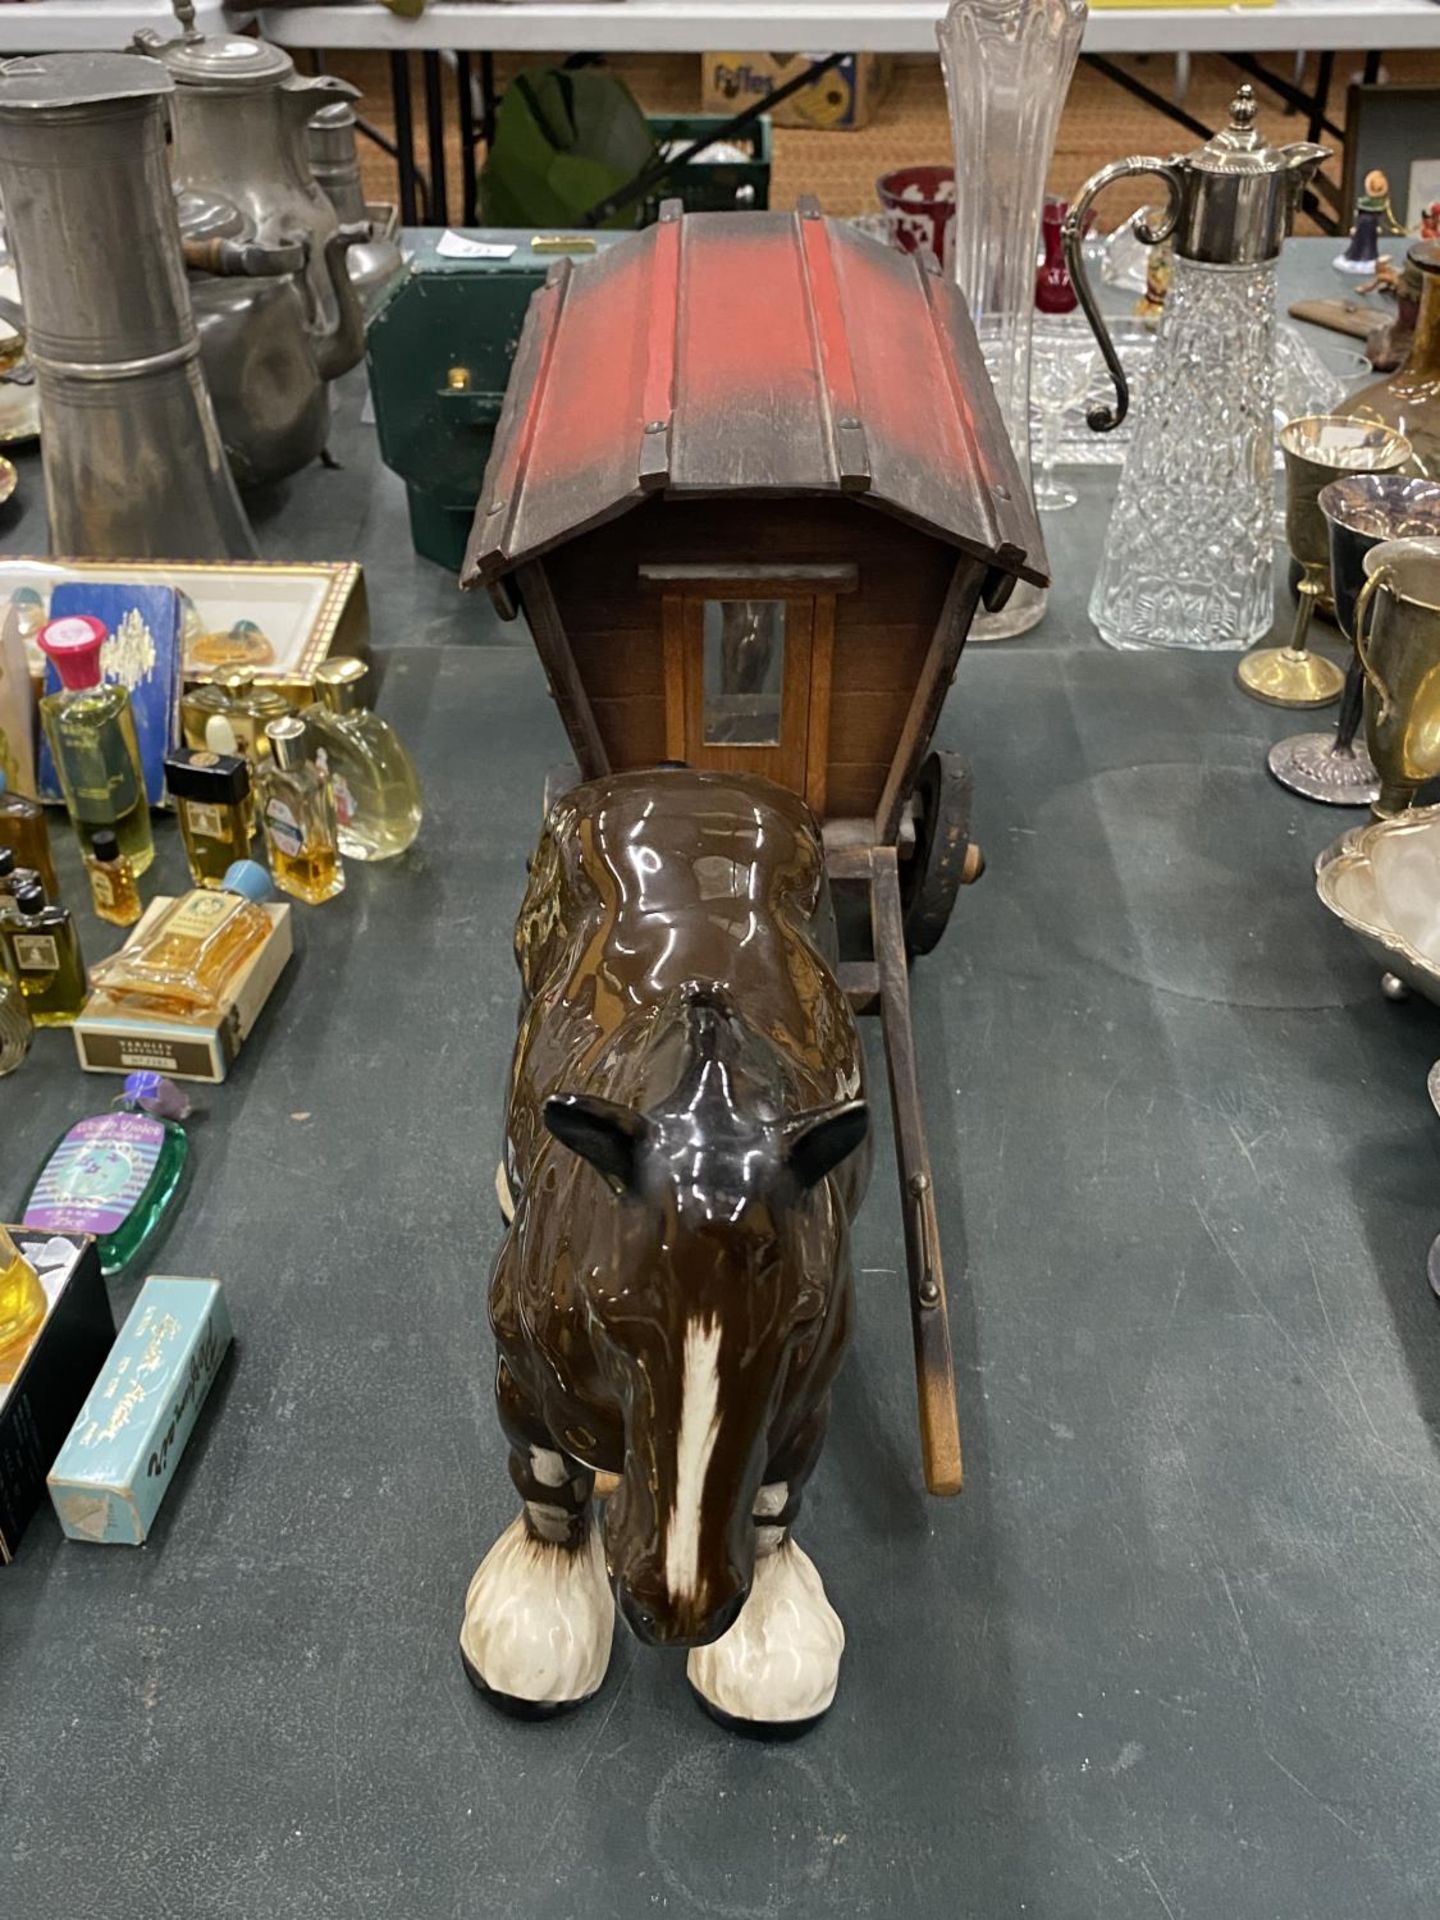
1362, 251
686, 1142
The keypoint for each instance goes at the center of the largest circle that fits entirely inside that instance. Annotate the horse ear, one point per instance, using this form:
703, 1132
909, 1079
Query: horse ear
603, 1132
816, 1143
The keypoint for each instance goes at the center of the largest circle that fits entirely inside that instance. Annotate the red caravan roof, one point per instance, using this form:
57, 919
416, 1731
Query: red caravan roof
752, 353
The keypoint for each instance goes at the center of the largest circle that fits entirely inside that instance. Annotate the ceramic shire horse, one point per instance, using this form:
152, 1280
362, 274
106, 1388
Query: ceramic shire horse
686, 1145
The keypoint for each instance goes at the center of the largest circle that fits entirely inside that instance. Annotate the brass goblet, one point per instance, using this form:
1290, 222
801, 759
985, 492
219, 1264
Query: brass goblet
1361, 510
1397, 637
1318, 448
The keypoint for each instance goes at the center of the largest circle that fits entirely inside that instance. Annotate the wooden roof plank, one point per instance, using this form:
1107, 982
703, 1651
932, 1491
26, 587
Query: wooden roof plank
756, 353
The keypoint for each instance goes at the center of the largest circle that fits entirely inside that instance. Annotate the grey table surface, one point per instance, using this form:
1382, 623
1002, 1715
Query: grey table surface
1173, 1655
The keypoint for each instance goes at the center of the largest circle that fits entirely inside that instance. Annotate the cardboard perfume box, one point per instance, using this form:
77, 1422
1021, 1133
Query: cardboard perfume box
113, 1038
39, 1404
120, 1457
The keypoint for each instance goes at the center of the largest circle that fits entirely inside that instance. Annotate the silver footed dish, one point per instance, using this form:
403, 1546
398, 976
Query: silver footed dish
1382, 881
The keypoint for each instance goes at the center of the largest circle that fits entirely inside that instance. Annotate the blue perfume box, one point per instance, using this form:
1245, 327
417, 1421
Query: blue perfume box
112, 1472
144, 654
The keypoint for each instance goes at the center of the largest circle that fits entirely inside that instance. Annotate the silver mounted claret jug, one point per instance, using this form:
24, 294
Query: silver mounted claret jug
1188, 554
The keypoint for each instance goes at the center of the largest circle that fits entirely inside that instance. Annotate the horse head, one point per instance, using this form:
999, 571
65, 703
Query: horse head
719, 1298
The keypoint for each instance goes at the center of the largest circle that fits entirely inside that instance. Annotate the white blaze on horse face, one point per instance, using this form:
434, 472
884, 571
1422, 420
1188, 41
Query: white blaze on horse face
699, 1429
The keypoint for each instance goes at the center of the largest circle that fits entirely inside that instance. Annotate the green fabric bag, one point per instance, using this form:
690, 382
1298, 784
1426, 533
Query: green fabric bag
563, 141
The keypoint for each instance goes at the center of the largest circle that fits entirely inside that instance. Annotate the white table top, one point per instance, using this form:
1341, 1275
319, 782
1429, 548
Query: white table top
87, 26
874, 26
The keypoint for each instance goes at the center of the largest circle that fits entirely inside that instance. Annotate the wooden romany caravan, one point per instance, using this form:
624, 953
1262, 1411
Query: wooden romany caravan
749, 488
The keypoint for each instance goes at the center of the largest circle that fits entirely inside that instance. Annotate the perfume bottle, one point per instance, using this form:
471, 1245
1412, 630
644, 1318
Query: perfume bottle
12, 880
91, 731
23, 1307
298, 814
248, 708
112, 881
17, 1029
117, 1175
42, 951
377, 796
211, 792
187, 956
23, 830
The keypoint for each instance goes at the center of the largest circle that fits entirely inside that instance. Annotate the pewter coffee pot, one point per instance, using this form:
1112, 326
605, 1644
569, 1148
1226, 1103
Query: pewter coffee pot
134, 466
239, 113
1187, 560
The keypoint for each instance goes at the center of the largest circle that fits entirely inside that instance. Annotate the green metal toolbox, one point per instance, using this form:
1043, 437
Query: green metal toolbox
439, 347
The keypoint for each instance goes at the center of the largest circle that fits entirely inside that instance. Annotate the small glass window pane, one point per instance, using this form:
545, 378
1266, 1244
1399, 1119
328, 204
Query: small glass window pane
744, 672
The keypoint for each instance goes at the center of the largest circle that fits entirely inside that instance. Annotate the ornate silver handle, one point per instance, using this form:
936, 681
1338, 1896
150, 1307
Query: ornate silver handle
1100, 418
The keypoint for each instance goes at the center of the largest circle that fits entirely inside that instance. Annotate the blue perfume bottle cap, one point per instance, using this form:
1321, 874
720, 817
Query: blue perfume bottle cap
248, 877
152, 1093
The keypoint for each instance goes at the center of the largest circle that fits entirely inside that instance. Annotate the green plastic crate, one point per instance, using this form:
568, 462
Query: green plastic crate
715, 186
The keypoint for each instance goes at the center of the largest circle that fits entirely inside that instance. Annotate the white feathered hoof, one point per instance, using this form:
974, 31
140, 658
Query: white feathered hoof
776, 1670
538, 1624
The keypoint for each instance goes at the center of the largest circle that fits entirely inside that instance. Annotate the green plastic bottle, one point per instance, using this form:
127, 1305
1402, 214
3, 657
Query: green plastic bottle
118, 1175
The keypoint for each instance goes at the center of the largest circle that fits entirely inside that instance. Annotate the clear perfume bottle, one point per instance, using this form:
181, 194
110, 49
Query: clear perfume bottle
23, 830
211, 792
91, 731
117, 1175
42, 951
377, 795
17, 1029
23, 1307
113, 891
188, 955
298, 814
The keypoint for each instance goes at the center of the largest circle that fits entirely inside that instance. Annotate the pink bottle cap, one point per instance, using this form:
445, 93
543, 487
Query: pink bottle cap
74, 645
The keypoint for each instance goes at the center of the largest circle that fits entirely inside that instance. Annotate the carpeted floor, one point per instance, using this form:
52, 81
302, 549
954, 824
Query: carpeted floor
1101, 122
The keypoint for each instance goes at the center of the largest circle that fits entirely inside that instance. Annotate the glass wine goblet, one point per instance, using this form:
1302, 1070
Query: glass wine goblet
1062, 371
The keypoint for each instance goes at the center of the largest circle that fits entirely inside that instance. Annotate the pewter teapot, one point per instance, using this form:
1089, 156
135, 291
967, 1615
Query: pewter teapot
239, 113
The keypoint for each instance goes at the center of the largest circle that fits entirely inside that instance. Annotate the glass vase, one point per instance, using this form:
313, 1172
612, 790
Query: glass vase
1189, 550
1007, 70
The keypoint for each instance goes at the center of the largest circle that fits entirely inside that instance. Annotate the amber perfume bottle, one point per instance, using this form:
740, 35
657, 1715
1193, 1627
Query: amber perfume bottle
23, 1307
298, 814
112, 881
1409, 400
211, 792
377, 795
42, 951
23, 830
186, 958
248, 708
91, 731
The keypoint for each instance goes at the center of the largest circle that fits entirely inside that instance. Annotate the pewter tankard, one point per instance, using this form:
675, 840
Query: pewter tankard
134, 467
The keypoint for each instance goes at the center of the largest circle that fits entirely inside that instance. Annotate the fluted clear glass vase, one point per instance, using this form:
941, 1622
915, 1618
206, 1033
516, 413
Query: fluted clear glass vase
1007, 71
1189, 551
